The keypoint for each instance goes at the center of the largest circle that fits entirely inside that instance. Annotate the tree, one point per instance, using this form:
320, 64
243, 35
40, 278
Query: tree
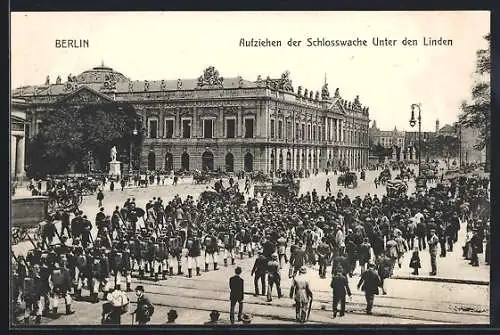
477, 113
69, 133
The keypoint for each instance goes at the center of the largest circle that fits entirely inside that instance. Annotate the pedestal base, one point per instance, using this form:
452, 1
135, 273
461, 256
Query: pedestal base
114, 168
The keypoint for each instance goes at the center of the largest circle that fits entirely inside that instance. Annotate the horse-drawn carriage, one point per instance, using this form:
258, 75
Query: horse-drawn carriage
396, 188
260, 177
64, 198
202, 177
384, 176
348, 179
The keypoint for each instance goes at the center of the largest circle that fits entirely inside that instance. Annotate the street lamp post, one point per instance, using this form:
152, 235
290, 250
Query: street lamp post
412, 124
134, 133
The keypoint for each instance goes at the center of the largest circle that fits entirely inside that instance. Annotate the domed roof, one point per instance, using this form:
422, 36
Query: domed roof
100, 74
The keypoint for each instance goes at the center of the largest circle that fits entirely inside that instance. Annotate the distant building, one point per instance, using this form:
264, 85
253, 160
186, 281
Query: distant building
216, 123
389, 139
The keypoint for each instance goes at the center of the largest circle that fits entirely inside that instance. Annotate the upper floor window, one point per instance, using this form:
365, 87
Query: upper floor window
186, 128
153, 128
208, 128
280, 129
230, 128
169, 128
249, 128
272, 128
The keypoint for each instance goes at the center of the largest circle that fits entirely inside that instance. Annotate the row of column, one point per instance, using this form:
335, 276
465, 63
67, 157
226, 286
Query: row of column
293, 159
354, 158
334, 130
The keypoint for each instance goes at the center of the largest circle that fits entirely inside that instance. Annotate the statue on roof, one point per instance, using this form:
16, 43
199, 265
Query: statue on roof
146, 85
240, 82
356, 101
130, 86
316, 96
337, 93
58, 80
299, 91
306, 93
47, 80
179, 84
325, 93
70, 78
210, 77
163, 85
259, 78
285, 83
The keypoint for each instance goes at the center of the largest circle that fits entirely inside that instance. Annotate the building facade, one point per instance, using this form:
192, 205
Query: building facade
17, 138
216, 123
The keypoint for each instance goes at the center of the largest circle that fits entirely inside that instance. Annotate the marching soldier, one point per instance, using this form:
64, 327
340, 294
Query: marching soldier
161, 258
80, 270
302, 294
127, 265
194, 255
60, 283
229, 244
35, 291
175, 253
95, 274
211, 249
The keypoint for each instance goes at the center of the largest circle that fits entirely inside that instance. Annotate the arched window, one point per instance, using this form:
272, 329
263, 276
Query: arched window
169, 162
248, 162
151, 161
185, 161
229, 162
207, 161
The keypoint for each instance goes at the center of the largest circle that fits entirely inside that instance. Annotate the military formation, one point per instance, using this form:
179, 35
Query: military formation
296, 231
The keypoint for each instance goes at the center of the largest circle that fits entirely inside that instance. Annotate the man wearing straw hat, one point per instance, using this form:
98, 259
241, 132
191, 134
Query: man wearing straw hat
302, 294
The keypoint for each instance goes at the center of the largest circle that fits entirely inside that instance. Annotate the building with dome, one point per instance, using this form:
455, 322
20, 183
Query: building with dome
217, 123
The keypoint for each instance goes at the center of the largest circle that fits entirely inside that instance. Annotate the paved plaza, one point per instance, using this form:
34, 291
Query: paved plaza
459, 294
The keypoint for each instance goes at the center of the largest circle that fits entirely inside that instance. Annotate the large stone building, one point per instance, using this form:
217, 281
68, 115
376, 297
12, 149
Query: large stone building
211, 122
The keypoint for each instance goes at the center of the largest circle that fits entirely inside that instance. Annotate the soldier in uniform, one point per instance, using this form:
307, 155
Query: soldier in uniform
364, 254
142, 255
242, 239
60, 282
229, 244
273, 277
175, 253
95, 274
211, 250
161, 257
35, 291
324, 254
79, 270
193, 246
302, 294
76, 225
127, 265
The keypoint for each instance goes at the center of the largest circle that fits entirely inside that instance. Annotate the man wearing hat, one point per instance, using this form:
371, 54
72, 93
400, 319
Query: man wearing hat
433, 249
369, 283
340, 287
236, 286
171, 316
302, 294
144, 309
273, 277
214, 319
259, 270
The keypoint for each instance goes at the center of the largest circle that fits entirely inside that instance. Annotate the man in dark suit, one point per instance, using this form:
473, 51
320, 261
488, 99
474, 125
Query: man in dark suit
259, 269
369, 283
236, 295
340, 287
145, 308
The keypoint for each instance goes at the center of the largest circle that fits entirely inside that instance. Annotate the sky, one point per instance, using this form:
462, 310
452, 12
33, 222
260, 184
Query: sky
171, 45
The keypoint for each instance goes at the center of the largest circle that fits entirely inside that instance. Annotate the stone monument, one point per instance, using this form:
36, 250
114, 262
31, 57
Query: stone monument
114, 165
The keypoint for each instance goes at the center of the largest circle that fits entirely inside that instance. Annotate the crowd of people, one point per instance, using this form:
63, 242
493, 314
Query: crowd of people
334, 231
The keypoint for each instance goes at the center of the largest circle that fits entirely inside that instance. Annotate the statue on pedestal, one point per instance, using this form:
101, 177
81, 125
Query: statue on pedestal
113, 154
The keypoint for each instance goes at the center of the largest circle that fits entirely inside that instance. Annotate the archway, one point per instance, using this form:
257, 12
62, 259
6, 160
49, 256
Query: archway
248, 162
280, 164
169, 162
185, 161
288, 160
303, 163
229, 162
273, 162
310, 162
151, 161
297, 161
207, 161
